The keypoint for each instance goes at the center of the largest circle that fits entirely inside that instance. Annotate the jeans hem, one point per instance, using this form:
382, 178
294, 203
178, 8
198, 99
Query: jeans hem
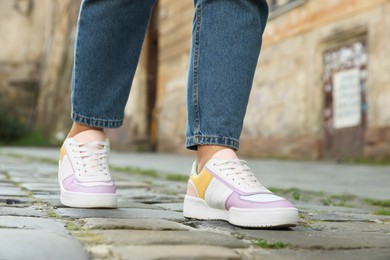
96, 122
193, 141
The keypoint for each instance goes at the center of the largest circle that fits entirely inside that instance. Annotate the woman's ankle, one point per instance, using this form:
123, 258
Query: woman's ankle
78, 128
206, 152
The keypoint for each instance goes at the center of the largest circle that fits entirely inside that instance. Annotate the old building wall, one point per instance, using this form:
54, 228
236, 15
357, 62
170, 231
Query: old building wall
175, 26
286, 109
53, 108
285, 113
36, 60
22, 33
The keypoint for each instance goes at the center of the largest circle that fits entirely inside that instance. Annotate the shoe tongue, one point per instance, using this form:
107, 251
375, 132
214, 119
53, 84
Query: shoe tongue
89, 136
225, 154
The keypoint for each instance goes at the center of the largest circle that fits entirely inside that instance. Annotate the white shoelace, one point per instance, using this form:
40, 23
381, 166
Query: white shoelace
238, 169
94, 157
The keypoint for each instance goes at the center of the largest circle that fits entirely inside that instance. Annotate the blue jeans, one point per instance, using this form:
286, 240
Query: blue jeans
226, 41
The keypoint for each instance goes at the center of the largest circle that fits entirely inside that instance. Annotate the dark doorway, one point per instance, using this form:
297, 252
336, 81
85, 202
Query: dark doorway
345, 110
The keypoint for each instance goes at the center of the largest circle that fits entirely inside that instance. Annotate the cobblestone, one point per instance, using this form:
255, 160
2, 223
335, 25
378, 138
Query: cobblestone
149, 224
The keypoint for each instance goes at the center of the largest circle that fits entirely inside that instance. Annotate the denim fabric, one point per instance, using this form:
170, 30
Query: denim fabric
226, 41
109, 38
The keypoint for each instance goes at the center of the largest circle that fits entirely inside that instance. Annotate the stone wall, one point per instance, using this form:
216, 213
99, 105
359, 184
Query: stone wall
22, 40
36, 59
175, 26
285, 112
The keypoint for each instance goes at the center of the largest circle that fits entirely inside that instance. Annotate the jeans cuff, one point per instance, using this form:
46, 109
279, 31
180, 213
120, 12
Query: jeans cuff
96, 122
193, 141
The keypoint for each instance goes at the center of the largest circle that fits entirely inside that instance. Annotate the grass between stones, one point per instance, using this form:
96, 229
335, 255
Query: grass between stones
52, 214
295, 193
383, 211
269, 245
176, 177
381, 203
339, 200
88, 237
71, 226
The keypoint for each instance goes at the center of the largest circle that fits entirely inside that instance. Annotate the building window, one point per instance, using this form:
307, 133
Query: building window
279, 7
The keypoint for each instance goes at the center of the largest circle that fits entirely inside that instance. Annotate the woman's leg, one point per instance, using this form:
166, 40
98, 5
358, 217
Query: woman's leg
225, 48
107, 48
108, 44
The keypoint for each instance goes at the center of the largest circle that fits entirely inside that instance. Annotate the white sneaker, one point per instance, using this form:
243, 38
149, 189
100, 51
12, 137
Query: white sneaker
226, 189
84, 175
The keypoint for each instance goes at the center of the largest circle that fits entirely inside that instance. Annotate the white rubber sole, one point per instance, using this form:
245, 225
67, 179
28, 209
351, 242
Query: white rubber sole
275, 217
86, 200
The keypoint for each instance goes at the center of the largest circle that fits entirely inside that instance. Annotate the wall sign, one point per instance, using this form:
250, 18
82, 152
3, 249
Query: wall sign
346, 98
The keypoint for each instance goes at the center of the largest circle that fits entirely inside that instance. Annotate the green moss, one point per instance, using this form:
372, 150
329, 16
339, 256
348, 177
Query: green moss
296, 195
34, 138
73, 227
344, 197
88, 237
381, 203
269, 245
339, 200
52, 214
383, 211
171, 193
176, 177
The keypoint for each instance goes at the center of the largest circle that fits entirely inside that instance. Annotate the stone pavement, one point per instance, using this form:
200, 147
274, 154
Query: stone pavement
337, 221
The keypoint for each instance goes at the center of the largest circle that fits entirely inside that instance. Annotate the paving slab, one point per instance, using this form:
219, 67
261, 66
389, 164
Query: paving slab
16, 200
4, 183
136, 237
42, 195
32, 223
146, 196
39, 245
172, 206
36, 186
130, 184
126, 203
291, 254
119, 213
315, 208
135, 224
175, 252
26, 212
346, 217
328, 235
12, 191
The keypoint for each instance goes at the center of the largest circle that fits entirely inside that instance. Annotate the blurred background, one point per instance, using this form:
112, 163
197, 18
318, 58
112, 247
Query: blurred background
321, 89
